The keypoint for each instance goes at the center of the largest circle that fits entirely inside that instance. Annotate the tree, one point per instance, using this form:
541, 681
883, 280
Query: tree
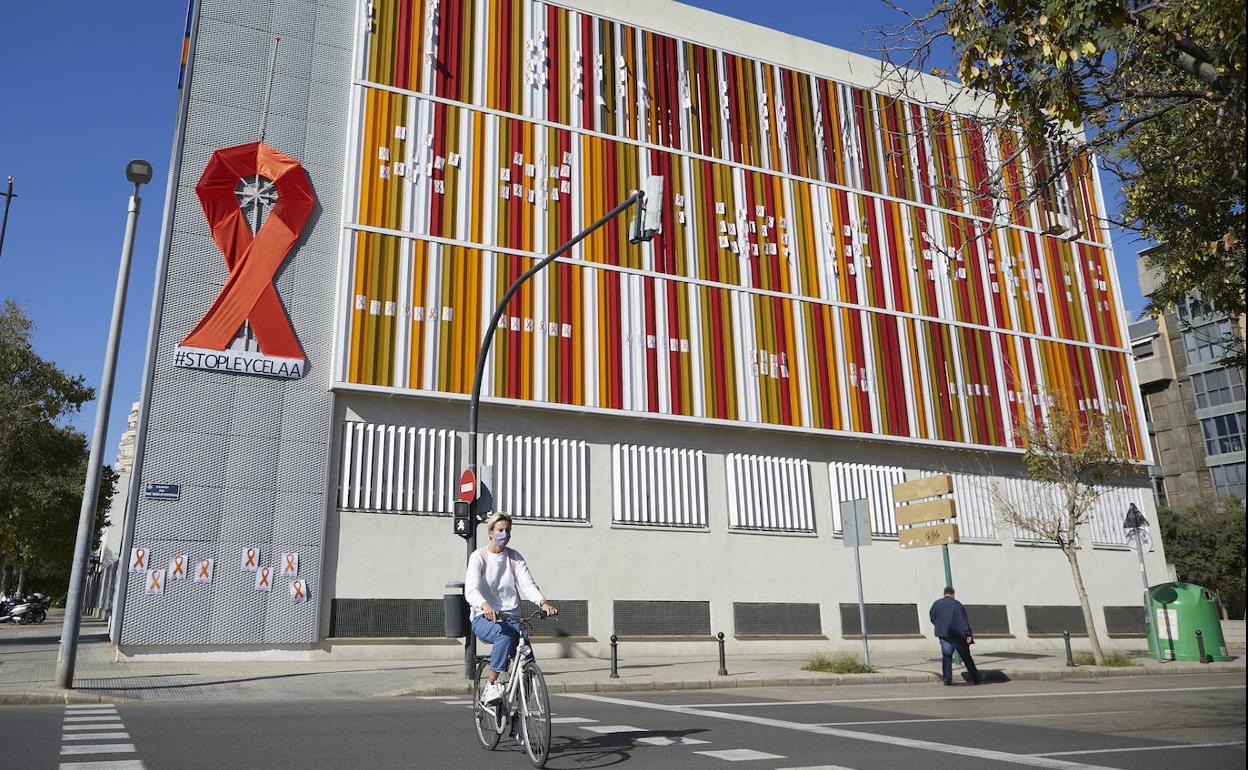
1071, 455
1154, 89
1205, 542
42, 461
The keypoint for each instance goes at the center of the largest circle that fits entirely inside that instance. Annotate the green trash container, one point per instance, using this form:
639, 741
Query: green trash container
1179, 611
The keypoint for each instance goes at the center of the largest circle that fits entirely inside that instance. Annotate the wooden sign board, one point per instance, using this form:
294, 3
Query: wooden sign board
917, 513
919, 537
931, 486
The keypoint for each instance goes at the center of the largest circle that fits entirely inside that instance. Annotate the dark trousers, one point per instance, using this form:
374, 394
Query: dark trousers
949, 645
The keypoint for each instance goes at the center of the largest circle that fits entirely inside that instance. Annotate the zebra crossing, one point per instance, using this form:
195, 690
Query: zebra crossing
92, 730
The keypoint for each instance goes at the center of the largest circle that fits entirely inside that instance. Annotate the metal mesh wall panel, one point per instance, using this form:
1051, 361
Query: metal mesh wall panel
642, 618
775, 618
1052, 620
658, 486
572, 620
769, 493
250, 452
1125, 621
386, 617
988, 619
882, 620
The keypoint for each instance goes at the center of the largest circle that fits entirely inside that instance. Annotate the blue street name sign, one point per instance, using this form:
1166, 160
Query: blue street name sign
163, 492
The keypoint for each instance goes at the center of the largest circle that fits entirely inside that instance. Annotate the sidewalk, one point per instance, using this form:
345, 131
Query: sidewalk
28, 665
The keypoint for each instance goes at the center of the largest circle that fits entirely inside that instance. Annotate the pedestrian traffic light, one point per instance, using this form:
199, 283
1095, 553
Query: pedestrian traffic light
463, 518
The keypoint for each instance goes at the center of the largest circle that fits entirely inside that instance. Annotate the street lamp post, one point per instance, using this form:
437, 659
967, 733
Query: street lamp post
1134, 525
647, 224
9, 195
138, 172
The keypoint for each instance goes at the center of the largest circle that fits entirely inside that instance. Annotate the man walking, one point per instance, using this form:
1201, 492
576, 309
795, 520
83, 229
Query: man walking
954, 631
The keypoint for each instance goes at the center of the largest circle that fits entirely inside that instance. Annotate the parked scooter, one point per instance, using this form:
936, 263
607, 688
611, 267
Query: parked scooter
15, 610
39, 604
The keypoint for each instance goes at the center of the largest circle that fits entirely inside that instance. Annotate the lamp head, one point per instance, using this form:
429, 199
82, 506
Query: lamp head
139, 171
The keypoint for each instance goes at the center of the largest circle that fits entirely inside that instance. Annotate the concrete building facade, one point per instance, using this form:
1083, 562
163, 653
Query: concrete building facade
674, 425
1194, 402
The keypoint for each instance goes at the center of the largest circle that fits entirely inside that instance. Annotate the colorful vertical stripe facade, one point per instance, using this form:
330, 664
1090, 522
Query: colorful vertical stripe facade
821, 264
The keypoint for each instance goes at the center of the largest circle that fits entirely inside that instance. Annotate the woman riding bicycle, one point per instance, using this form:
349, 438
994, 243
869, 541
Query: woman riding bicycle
496, 577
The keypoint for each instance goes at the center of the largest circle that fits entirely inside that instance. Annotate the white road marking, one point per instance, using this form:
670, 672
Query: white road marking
571, 720
100, 748
114, 764
92, 736
819, 767
75, 706
94, 726
910, 743
608, 729
458, 702
81, 712
93, 719
972, 719
738, 755
1065, 693
670, 740
1142, 748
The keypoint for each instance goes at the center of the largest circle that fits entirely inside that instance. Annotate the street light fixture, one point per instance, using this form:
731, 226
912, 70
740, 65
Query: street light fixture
646, 224
138, 173
1134, 524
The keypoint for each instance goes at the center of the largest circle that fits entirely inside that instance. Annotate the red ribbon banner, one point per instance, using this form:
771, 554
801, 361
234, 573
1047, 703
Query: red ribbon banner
253, 259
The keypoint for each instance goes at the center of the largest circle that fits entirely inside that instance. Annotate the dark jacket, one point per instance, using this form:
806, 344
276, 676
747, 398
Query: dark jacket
949, 618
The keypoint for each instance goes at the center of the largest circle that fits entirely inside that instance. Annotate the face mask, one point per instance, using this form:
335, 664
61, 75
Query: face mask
502, 538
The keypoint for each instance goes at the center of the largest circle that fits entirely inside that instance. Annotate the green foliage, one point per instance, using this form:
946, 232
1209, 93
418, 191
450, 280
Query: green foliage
1205, 542
1155, 88
1113, 660
42, 460
838, 664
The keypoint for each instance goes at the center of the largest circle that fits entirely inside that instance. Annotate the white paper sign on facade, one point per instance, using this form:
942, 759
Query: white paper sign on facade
203, 571
155, 581
250, 561
138, 560
264, 579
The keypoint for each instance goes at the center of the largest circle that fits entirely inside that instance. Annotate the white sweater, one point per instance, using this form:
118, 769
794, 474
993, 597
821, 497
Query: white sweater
499, 578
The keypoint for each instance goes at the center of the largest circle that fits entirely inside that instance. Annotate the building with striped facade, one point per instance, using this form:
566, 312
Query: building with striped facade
674, 425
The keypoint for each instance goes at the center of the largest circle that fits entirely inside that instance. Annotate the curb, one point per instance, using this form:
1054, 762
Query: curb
58, 698
830, 680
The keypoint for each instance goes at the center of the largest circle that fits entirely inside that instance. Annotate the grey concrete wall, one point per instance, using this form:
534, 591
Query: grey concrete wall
412, 556
249, 452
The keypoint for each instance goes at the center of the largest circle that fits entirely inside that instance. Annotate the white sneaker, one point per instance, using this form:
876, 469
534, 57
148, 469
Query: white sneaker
492, 692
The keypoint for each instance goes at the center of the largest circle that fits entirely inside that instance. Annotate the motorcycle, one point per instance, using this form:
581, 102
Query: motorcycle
39, 605
16, 610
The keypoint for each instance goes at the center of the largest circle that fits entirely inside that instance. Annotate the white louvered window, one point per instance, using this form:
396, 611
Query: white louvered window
973, 498
769, 493
874, 483
539, 478
397, 469
1030, 498
1109, 514
658, 486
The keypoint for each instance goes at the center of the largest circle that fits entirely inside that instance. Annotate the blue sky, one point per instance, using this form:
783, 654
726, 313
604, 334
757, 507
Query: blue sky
86, 86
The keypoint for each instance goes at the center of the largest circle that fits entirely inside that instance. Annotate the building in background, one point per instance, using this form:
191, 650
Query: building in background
1193, 401
675, 426
104, 563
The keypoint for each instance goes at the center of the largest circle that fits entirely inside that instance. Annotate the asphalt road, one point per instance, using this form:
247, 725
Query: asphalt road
1143, 722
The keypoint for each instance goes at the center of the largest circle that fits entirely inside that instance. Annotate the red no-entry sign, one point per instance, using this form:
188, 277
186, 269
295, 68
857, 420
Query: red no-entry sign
467, 486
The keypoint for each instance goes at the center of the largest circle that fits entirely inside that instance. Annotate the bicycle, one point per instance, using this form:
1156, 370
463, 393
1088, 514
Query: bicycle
524, 696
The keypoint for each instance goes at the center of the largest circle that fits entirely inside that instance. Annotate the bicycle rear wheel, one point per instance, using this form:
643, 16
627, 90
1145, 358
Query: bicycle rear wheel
535, 708
485, 717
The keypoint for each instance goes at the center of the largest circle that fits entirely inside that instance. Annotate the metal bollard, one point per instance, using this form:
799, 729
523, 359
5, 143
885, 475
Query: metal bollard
1070, 657
615, 657
1200, 646
723, 666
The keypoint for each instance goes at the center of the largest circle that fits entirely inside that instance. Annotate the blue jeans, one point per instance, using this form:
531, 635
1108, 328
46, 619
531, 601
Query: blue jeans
950, 644
504, 635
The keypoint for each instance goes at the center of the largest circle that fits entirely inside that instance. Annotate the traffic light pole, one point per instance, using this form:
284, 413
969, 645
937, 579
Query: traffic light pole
638, 197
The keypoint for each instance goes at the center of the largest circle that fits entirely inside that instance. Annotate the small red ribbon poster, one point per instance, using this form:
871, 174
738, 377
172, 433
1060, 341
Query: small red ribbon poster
253, 259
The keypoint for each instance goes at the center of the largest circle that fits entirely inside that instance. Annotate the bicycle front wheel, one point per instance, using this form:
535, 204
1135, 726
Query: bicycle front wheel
485, 717
535, 705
